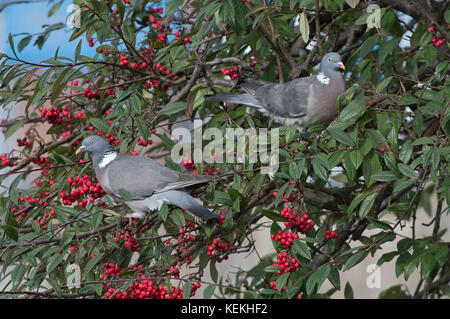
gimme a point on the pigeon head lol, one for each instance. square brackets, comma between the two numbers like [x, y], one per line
[331, 65]
[93, 144]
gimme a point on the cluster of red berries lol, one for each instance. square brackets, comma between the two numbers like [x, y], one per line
[233, 73]
[91, 42]
[284, 238]
[132, 244]
[206, 170]
[331, 234]
[46, 215]
[437, 43]
[111, 138]
[273, 285]
[174, 272]
[216, 248]
[142, 288]
[123, 60]
[297, 222]
[110, 92]
[85, 186]
[184, 234]
[155, 23]
[147, 289]
[221, 219]
[188, 163]
[23, 142]
[54, 116]
[6, 161]
[111, 270]
[91, 94]
[143, 142]
[161, 69]
[286, 263]
[157, 10]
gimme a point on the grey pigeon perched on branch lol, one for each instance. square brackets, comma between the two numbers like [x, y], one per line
[147, 183]
[298, 101]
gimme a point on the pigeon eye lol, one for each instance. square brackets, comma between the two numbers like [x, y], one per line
[329, 59]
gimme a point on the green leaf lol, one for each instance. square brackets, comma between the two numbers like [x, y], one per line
[173, 108]
[348, 291]
[427, 265]
[284, 27]
[13, 191]
[54, 8]
[354, 109]
[54, 262]
[272, 215]
[97, 219]
[178, 217]
[316, 280]
[11, 44]
[92, 262]
[386, 257]
[334, 278]
[341, 136]
[355, 202]
[366, 205]
[281, 281]
[77, 51]
[187, 290]
[354, 260]
[11, 232]
[125, 195]
[385, 176]
[320, 168]
[12, 129]
[101, 124]
[401, 263]
[164, 212]
[24, 42]
[209, 291]
[407, 171]
[302, 249]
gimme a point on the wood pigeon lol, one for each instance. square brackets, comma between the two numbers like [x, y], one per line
[298, 101]
[149, 183]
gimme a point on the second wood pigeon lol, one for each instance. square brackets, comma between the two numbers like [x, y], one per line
[149, 183]
[311, 98]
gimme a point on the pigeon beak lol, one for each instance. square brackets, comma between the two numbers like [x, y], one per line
[341, 65]
[80, 150]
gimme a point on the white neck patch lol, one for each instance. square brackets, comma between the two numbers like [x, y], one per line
[108, 158]
[323, 78]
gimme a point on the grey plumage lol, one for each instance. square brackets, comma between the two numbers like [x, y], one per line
[311, 98]
[149, 183]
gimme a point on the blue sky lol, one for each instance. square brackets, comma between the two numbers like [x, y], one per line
[30, 18]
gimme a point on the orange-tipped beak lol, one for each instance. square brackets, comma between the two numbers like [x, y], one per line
[80, 150]
[341, 65]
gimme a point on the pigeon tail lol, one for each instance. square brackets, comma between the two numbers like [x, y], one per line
[244, 98]
[199, 210]
[182, 199]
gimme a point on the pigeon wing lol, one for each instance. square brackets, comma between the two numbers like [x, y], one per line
[142, 177]
[291, 99]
